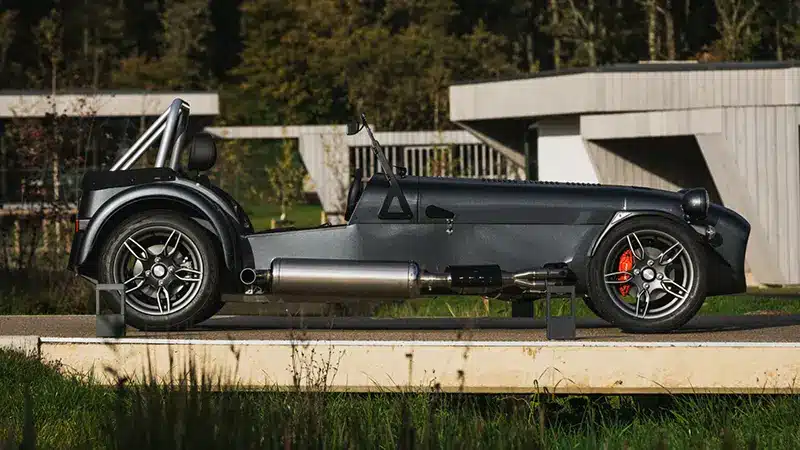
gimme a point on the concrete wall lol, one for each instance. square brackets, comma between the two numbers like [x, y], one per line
[748, 158]
[562, 153]
[670, 163]
[765, 148]
[625, 91]
[104, 104]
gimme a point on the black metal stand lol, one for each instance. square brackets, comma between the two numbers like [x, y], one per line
[110, 325]
[560, 327]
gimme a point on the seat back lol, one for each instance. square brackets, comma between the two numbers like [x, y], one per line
[202, 152]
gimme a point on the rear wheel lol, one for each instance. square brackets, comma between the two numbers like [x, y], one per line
[648, 275]
[169, 267]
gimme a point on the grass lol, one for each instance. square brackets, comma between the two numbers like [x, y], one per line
[303, 215]
[43, 292]
[475, 307]
[58, 411]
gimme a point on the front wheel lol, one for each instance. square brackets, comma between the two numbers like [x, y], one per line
[648, 275]
[590, 304]
[169, 267]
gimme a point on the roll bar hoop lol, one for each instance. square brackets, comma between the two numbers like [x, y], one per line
[171, 128]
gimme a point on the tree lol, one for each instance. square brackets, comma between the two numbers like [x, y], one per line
[660, 37]
[735, 19]
[184, 26]
[49, 36]
[284, 64]
[781, 27]
[285, 179]
[8, 21]
[393, 61]
[101, 40]
[43, 149]
[399, 70]
[555, 20]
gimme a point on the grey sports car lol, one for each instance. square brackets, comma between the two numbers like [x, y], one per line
[643, 259]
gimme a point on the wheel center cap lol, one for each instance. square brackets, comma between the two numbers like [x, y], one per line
[648, 274]
[159, 271]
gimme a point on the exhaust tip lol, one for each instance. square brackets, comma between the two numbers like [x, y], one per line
[247, 276]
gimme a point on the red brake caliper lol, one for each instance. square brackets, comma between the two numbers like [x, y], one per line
[625, 265]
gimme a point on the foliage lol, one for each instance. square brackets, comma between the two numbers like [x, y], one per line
[178, 65]
[319, 61]
[49, 156]
[45, 151]
[285, 179]
[43, 408]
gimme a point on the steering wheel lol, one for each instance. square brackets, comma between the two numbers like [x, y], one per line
[353, 194]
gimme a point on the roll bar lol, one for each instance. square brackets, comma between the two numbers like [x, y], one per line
[171, 128]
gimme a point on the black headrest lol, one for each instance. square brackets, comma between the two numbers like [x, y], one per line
[202, 152]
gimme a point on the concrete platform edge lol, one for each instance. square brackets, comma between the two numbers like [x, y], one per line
[473, 367]
[28, 345]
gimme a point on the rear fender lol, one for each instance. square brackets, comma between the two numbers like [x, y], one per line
[170, 197]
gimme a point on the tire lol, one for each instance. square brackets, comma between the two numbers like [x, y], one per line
[590, 304]
[180, 254]
[675, 289]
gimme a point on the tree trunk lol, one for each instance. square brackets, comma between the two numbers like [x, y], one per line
[529, 52]
[592, 31]
[554, 18]
[436, 111]
[55, 208]
[96, 70]
[652, 48]
[669, 23]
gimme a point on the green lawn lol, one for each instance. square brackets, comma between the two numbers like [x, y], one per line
[303, 215]
[64, 412]
[475, 307]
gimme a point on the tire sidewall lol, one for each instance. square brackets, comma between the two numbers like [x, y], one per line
[606, 305]
[208, 293]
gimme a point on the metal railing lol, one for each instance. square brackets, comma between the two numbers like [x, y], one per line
[455, 160]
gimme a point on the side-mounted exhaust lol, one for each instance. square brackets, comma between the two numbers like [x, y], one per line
[392, 279]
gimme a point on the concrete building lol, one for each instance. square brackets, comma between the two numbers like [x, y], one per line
[28, 104]
[733, 128]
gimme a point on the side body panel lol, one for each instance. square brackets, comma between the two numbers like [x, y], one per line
[517, 225]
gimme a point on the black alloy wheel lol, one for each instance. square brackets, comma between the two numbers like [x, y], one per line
[170, 269]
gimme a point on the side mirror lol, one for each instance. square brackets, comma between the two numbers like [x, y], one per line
[353, 128]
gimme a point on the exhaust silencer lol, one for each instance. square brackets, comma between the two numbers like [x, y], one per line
[345, 278]
[389, 279]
